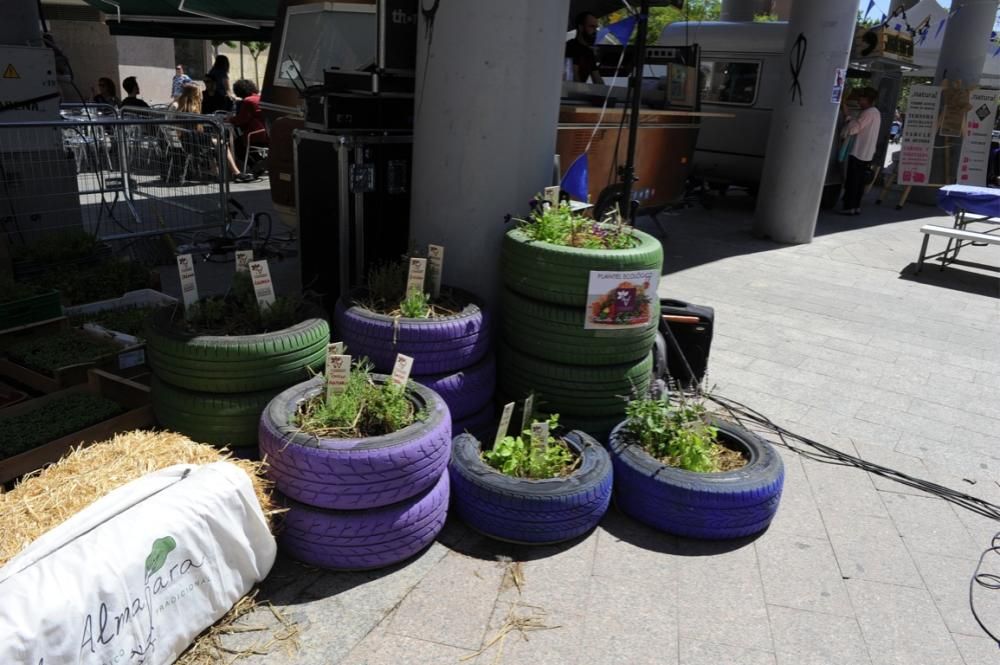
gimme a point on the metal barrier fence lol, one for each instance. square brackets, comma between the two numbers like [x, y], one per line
[122, 176]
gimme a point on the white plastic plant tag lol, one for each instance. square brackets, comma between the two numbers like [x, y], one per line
[539, 438]
[262, 286]
[508, 411]
[436, 257]
[416, 276]
[552, 196]
[529, 410]
[243, 259]
[335, 348]
[338, 373]
[189, 285]
[401, 371]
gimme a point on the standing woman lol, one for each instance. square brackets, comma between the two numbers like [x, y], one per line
[219, 73]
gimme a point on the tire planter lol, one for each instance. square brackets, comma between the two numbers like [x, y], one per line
[437, 346]
[237, 363]
[354, 474]
[218, 419]
[714, 506]
[527, 511]
[556, 333]
[559, 275]
[571, 389]
[364, 539]
[466, 391]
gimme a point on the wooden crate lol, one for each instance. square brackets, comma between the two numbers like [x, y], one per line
[12, 336]
[133, 396]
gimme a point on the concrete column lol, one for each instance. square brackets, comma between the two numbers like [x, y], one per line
[743, 10]
[783, 8]
[487, 103]
[21, 25]
[801, 134]
[963, 49]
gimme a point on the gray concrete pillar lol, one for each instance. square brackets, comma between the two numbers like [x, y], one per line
[783, 8]
[21, 25]
[803, 121]
[963, 49]
[743, 10]
[487, 104]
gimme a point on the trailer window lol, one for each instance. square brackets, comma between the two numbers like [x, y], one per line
[725, 82]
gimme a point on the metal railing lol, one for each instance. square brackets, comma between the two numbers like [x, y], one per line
[121, 175]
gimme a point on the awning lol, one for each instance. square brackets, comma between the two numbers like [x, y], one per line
[190, 19]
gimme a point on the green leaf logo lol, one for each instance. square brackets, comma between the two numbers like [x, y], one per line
[158, 554]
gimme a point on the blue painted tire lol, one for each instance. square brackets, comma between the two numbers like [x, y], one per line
[525, 511]
[713, 506]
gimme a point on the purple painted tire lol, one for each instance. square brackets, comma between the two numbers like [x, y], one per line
[364, 539]
[482, 424]
[437, 346]
[466, 391]
[354, 474]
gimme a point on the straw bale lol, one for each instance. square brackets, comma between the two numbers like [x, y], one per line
[44, 499]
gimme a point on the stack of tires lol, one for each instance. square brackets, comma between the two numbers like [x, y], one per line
[583, 375]
[451, 354]
[358, 504]
[214, 388]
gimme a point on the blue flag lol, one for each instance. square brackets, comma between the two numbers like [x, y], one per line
[940, 28]
[575, 180]
[871, 5]
[620, 31]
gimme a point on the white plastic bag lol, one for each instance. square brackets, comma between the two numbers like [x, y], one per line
[135, 577]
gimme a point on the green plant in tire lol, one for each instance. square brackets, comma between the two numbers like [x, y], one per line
[385, 293]
[364, 409]
[237, 313]
[679, 435]
[514, 456]
[559, 225]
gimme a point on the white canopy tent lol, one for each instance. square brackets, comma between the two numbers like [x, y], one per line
[925, 55]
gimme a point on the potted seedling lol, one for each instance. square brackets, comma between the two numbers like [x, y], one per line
[682, 470]
[57, 361]
[545, 485]
[356, 452]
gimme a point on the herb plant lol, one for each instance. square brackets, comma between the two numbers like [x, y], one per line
[677, 435]
[53, 420]
[514, 456]
[237, 313]
[415, 305]
[386, 294]
[51, 353]
[559, 225]
[364, 409]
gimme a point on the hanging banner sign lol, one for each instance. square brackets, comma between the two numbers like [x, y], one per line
[620, 300]
[973, 163]
[917, 150]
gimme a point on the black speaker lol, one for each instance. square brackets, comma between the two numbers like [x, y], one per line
[687, 330]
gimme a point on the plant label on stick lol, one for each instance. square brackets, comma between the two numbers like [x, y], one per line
[336, 348]
[262, 286]
[508, 411]
[416, 276]
[189, 286]
[338, 373]
[552, 196]
[539, 438]
[243, 259]
[435, 254]
[401, 371]
[529, 409]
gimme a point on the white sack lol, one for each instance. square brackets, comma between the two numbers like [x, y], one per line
[136, 576]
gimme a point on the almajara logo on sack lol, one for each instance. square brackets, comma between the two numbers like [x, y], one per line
[167, 580]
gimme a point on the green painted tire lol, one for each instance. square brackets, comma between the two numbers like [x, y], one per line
[238, 363]
[556, 333]
[559, 275]
[218, 419]
[570, 389]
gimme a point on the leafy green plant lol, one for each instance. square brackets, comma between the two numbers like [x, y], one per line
[515, 456]
[678, 435]
[109, 279]
[559, 225]
[364, 409]
[51, 353]
[53, 420]
[415, 305]
[237, 313]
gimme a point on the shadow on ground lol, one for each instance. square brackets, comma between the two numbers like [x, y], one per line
[954, 278]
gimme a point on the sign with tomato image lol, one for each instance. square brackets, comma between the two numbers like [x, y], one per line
[620, 300]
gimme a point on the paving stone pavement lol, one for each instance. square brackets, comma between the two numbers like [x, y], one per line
[835, 340]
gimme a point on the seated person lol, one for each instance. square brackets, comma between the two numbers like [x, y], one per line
[249, 119]
[131, 86]
[580, 50]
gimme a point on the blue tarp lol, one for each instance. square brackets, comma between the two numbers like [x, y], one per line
[976, 200]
